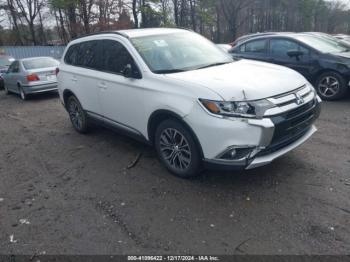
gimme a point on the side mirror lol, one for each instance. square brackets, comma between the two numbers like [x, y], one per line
[295, 53]
[131, 72]
[127, 72]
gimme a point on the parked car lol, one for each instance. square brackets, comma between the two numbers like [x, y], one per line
[176, 90]
[324, 63]
[31, 76]
[5, 62]
[224, 47]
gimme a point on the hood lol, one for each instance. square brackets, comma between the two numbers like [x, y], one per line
[244, 80]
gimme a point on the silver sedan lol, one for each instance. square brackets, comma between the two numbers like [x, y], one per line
[31, 76]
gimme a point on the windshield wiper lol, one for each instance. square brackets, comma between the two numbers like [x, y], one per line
[213, 64]
[169, 71]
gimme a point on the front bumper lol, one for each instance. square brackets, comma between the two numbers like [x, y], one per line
[40, 88]
[268, 138]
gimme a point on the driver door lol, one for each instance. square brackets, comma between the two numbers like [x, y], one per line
[121, 97]
[303, 64]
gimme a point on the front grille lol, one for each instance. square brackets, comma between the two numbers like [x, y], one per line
[283, 143]
[292, 125]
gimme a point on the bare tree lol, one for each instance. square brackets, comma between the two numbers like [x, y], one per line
[29, 10]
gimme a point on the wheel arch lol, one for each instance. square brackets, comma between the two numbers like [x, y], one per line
[162, 114]
[66, 94]
[325, 70]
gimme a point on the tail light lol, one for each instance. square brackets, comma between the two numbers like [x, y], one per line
[57, 71]
[33, 77]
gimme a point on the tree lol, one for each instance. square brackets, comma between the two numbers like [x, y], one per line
[29, 10]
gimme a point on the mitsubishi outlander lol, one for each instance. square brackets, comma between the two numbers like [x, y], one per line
[177, 91]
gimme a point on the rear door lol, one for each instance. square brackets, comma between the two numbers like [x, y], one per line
[279, 48]
[254, 49]
[82, 74]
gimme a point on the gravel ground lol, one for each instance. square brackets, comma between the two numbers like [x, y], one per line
[66, 193]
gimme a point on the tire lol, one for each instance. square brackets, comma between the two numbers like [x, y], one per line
[177, 149]
[331, 86]
[7, 92]
[22, 94]
[77, 115]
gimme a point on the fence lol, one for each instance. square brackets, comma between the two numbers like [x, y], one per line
[19, 52]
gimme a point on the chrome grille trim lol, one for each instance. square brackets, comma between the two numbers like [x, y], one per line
[287, 101]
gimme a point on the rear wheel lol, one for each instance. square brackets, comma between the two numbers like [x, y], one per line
[22, 93]
[331, 86]
[77, 115]
[177, 149]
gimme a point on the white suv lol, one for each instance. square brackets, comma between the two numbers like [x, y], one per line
[176, 90]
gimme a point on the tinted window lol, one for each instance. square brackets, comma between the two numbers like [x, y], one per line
[116, 57]
[258, 46]
[36, 63]
[86, 54]
[72, 55]
[14, 67]
[280, 47]
[89, 55]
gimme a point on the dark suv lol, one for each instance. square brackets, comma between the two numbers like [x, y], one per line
[326, 64]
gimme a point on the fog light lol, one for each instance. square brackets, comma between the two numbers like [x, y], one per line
[235, 153]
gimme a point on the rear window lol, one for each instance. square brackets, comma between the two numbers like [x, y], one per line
[85, 54]
[40, 63]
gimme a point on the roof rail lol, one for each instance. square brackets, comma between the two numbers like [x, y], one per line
[101, 33]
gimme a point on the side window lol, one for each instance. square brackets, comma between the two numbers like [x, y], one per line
[89, 55]
[257, 46]
[14, 67]
[280, 47]
[116, 57]
[242, 48]
[72, 55]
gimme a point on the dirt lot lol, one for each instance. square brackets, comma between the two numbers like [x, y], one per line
[66, 193]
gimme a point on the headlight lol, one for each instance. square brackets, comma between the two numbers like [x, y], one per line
[249, 109]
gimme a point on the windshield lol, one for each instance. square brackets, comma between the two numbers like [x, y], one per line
[6, 61]
[37, 63]
[179, 52]
[323, 45]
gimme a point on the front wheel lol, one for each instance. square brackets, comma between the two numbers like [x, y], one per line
[177, 149]
[331, 86]
[6, 90]
[77, 115]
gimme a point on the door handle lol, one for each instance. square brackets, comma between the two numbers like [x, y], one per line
[74, 79]
[102, 85]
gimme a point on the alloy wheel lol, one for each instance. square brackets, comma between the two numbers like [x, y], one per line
[175, 149]
[75, 114]
[329, 86]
